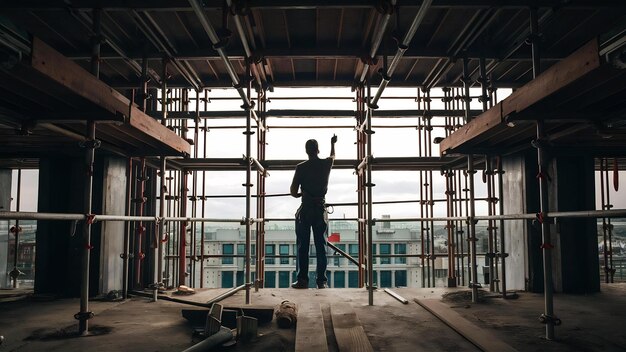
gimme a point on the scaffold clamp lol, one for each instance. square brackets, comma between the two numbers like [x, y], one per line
[547, 246]
[91, 218]
[83, 316]
[548, 319]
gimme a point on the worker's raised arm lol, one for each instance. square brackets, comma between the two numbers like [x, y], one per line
[333, 140]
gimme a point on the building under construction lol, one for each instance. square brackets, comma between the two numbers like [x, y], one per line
[505, 119]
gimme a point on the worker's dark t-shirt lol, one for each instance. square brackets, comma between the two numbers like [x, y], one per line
[312, 176]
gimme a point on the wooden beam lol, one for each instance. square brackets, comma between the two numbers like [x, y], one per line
[483, 339]
[70, 75]
[348, 330]
[572, 68]
[557, 77]
[310, 333]
[479, 125]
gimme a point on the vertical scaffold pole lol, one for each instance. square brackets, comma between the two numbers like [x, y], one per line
[248, 184]
[158, 247]
[472, 228]
[548, 316]
[501, 225]
[360, 140]
[260, 201]
[370, 257]
[15, 273]
[90, 145]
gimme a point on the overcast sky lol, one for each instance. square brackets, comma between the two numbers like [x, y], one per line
[289, 144]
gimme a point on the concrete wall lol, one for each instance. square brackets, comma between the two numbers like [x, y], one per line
[5, 205]
[112, 232]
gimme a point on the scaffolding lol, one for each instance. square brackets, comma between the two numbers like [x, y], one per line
[160, 243]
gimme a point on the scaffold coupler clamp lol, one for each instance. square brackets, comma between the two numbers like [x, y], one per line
[91, 219]
[82, 316]
[548, 319]
[477, 285]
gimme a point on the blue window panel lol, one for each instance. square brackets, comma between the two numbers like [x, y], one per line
[270, 249]
[227, 279]
[353, 278]
[385, 248]
[270, 279]
[400, 248]
[227, 249]
[339, 281]
[385, 278]
[400, 278]
[283, 279]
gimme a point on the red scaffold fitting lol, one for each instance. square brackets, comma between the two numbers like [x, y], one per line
[91, 218]
[547, 246]
[541, 217]
[166, 238]
[88, 246]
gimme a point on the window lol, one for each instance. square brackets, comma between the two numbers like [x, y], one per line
[385, 248]
[400, 278]
[385, 278]
[241, 249]
[283, 249]
[283, 279]
[400, 248]
[240, 277]
[353, 250]
[353, 278]
[338, 260]
[270, 249]
[339, 280]
[227, 279]
[270, 279]
[227, 249]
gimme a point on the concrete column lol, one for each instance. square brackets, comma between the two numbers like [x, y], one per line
[112, 238]
[575, 240]
[575, 256]
[5, 205]
[58, 254]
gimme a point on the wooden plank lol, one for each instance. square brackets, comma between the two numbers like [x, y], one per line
[565, 72]
[70, 75]
[153, 128]
[560, 75]
[479, 125]
[310, 333]
[483, 339]
[348, 330]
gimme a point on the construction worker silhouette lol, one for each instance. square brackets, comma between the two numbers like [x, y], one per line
[311, 177]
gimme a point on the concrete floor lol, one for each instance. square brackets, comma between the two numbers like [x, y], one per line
[590, 322]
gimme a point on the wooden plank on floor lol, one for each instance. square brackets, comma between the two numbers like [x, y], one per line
[348, 329]
[310, 334]
[483, 339]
